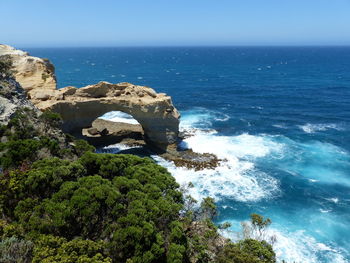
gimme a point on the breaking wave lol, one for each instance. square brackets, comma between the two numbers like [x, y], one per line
[312, 128]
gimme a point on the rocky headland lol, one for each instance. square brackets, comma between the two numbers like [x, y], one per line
[60, 202]
[80, 109]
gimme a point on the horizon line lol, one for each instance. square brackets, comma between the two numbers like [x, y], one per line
[186, 46]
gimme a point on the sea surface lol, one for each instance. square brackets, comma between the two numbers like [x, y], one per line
[280, 116]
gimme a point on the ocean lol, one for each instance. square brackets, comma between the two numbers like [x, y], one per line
[280, 116]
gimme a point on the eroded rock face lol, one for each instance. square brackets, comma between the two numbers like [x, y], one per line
[31, 72]
[80, 107]
[12, 98]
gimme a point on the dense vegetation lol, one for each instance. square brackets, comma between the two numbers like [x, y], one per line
[107, 208]
[30, 136]
[60, 202]
[123, 206]
[5, 66]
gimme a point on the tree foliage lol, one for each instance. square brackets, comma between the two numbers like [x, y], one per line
[53, 249]
[129, 202]
[25, 139]
[6, 68]
[15, 250]
[247, 251]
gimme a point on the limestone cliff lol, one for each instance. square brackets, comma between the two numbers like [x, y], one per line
[30, 72]
[80, 107]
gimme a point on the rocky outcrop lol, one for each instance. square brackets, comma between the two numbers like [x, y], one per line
[12, 98]
[101, 127]
[80, 107]
[30, 72]
[104, 132]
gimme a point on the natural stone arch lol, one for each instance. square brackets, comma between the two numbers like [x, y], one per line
[80, 107]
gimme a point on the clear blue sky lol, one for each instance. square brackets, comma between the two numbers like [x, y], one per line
[29, 23]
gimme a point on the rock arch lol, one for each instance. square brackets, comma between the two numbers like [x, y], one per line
[80, 107]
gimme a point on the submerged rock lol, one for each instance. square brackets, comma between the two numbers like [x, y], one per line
[190, 159]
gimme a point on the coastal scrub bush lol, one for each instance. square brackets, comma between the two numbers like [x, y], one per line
[50, 118]
[257, 229]
[208, 208]
[130, 203]
[18, 151]
[247, 251]
[82, 146]
[53, 249]
[14, 250]
[28, 137]
[6, 68]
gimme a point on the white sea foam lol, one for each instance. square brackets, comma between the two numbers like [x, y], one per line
[325, 210]
[236, 178]
[280, 126]
[118, 116]
[312, 128]
[201, 118]
[296, 246]
[116, 148]
[240, 179]
[313, 180]
[333, 200]
[300, 247]
[236, 181]
[225, 117]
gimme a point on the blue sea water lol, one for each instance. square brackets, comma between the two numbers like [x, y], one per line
[279, 116]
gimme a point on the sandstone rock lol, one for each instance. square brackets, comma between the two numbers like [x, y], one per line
[80, 107]
[68, 90]
[44, 94]
[93, 131]
[156, 114]
[117, 128]
[31, 72]
[104, 132]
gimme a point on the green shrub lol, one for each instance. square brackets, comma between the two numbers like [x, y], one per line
[26, 140]
[247, 251]
[52, 249]
[14, 250]
[50, 118]
[82, 146]
[130, 202]
[19, 151]
[6, 68]
[43, 179]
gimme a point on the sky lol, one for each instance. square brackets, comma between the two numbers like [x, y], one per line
[80, 23]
